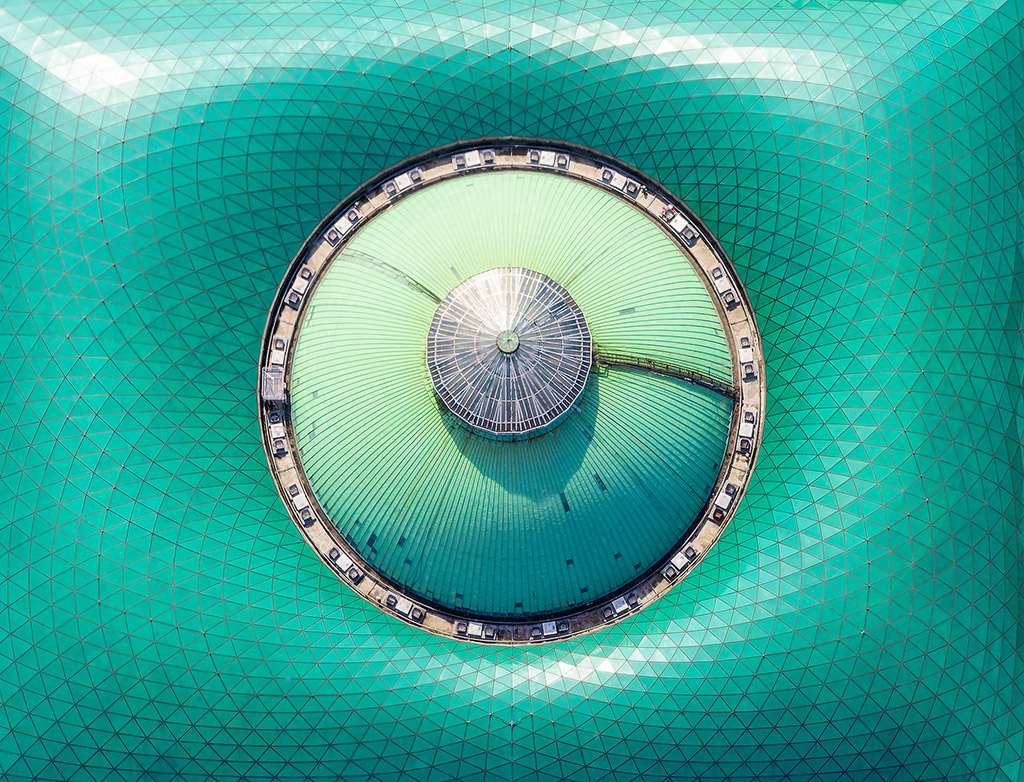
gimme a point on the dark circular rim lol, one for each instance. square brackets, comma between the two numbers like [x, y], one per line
[556, 158]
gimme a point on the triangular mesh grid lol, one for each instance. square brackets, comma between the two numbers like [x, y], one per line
[861, 618]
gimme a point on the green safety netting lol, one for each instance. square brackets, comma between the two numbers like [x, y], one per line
[861, 618]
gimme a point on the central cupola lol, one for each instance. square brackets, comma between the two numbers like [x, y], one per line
[509, 352]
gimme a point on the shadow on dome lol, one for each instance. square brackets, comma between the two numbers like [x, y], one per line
[538, 468]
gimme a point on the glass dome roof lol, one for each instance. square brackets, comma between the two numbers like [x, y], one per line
[509, 352]
[860, 617]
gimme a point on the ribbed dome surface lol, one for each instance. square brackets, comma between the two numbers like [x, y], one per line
[860, 618]
[509, 528]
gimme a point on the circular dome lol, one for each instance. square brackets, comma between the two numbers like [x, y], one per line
[509, 352]
[538, 411]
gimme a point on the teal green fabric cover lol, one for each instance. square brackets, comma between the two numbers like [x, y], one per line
[860, 618]
[502, 528]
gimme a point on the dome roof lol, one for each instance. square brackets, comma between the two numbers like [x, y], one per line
[859, 618]
[421, 488]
